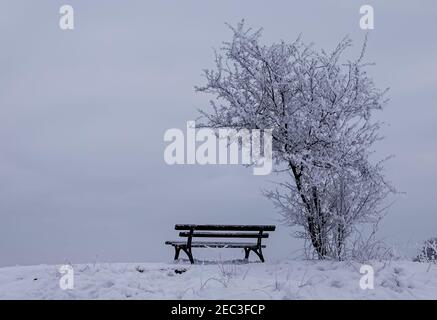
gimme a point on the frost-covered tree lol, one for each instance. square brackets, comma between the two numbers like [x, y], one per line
[320, 110]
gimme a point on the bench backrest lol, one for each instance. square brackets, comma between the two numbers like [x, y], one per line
[223, 231]
[224, 227]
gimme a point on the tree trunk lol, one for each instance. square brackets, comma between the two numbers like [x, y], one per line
[315, 218]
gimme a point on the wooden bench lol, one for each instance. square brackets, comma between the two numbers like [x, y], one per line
[191, 231]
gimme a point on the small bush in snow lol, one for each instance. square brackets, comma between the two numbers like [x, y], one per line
[428, 252]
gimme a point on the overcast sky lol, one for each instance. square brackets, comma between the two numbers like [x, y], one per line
[83, 114]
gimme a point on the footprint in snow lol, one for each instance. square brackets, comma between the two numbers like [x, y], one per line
[337, 284]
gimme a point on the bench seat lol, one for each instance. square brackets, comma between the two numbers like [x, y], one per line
[215, 244]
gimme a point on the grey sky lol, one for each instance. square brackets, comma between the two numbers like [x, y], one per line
[83, 113]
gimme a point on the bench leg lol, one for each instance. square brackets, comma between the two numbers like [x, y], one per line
[246, 253]
[259, 253]
[177, 250]
[189, 254]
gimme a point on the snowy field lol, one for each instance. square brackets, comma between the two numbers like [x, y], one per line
[284, 280]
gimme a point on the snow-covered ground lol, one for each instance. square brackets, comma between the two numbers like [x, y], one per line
[282, 280]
